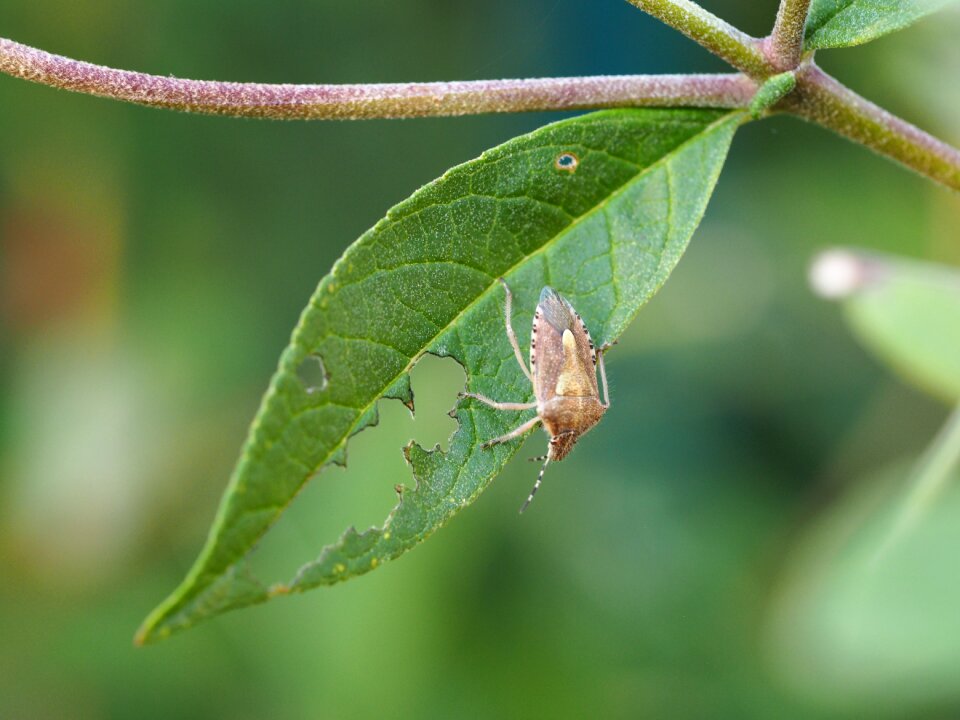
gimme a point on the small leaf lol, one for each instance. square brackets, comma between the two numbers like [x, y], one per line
[599, 206]
[771, 92]
[843, 23]
[906, 312]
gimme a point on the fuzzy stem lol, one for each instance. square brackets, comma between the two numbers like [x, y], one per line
[822, 99]
[706, 29]
[399, 100]
[785, 45]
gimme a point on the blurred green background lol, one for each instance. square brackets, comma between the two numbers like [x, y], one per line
[690, 560]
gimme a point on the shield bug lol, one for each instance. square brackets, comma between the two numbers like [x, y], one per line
[563, 371]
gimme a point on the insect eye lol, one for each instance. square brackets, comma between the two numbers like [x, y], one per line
[567, 162]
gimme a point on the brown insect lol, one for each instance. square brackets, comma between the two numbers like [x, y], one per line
[563, 370]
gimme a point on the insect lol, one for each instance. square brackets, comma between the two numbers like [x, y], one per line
[563, 371]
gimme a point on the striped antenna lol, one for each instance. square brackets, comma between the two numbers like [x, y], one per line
[536, 485]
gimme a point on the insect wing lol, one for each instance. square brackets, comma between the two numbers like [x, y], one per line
[570, 366]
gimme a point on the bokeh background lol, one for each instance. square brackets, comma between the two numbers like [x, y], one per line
[688, 560]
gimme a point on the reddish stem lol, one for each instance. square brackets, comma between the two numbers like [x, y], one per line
[394, 100]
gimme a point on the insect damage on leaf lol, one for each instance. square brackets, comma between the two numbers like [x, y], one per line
[567, 162]
[423, 280]
[563, 372]
[312, 374]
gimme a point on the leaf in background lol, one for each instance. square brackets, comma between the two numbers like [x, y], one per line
[605, 226]
[843, 23]
[865, 625]
[906, 312]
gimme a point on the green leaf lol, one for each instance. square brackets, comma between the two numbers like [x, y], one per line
[599, 206]
[845, 625]
[843, 23]
[928, 481]
[773, 90]
[906, 312]
[861, 624]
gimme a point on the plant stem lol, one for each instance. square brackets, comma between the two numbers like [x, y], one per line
[706, 29]
[398, 100]
[817, 97]
[785, 45]
[824, 100]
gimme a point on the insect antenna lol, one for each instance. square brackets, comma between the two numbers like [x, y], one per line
[538, 458]
[536, 485]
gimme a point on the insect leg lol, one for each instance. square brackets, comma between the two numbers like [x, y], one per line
[538, 458]
[536, 485]
[603, 372]
[603, 381]
[500, 405]
[529, 424]
[508, 305]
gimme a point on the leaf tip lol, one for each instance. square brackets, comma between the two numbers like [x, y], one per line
[278, 589]
[838, 273]
[150, 632]
[140, 637]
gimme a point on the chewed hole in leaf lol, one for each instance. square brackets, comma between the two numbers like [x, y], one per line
[312, 374]
[567, 162]
[364, 492]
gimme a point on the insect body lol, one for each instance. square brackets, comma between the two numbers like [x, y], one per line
[563, 370]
